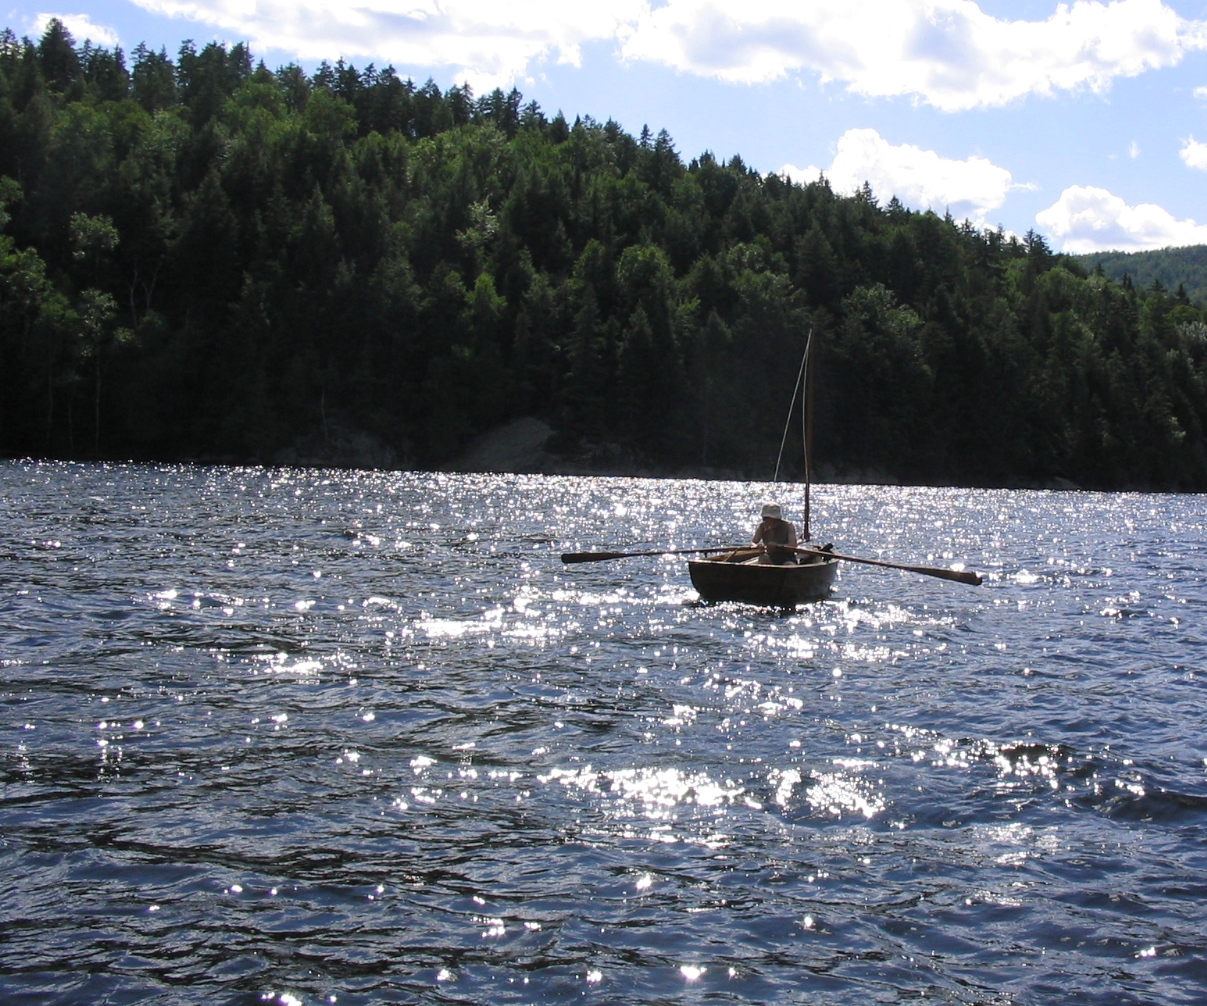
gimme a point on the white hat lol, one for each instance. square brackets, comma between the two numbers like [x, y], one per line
[773, 510]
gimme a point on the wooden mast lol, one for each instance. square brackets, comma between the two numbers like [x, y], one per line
[806, 410]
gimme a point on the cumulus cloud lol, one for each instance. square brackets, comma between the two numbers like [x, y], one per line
[1088, 219]
[919, 178]
[947, 53]
[485, 42]
[1194, 154]
[81, 26]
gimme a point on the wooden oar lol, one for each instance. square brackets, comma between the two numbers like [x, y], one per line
[601, 556]
[960, 576]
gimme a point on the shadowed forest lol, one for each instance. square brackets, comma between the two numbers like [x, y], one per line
[202, 258]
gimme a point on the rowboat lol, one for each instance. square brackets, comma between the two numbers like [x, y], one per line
[740, 576]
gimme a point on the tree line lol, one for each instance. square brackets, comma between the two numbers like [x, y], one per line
[204, 258]
[1180, 269]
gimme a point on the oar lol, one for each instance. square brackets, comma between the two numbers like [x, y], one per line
[960, 576]
[601, 556]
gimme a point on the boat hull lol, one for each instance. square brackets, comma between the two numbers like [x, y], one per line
[769, 586]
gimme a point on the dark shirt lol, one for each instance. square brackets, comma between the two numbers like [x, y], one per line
[775, 532]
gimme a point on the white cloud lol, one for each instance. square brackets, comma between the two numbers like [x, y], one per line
[802, 175]
[919, 178]
[946, 53]
[81, 26]
[1194, 154]
[1133, 151]
[487, 43]
[1088, 219]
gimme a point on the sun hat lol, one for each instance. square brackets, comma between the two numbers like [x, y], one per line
[773, 510]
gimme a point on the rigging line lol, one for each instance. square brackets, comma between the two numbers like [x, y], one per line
[792, 406]
[806, 425]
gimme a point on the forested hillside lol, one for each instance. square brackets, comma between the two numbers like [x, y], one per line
[204, 258]
[1171, 267]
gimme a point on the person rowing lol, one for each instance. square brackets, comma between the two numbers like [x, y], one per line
[776, 535]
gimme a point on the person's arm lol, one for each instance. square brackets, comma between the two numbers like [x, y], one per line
[791, 534]
[759, 533]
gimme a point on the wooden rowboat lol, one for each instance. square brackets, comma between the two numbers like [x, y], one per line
[739, 576]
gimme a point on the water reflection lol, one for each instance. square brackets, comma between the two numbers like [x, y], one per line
[411, 755]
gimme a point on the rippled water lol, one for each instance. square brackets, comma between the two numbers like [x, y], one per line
[306, 737]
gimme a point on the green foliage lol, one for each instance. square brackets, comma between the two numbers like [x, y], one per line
[1182, 270]
[201, 257]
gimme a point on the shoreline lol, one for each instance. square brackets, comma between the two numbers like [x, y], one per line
[569, 468]
[521, 447]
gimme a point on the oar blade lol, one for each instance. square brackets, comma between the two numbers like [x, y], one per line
[593, 556]
[959, 575]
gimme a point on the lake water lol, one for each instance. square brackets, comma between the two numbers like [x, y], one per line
[303, 737]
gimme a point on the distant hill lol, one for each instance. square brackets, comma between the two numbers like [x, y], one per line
[1171, 266]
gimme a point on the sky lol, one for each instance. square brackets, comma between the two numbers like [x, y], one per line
[1083, 121]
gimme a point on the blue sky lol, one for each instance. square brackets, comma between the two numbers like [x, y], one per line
[1085, 121]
